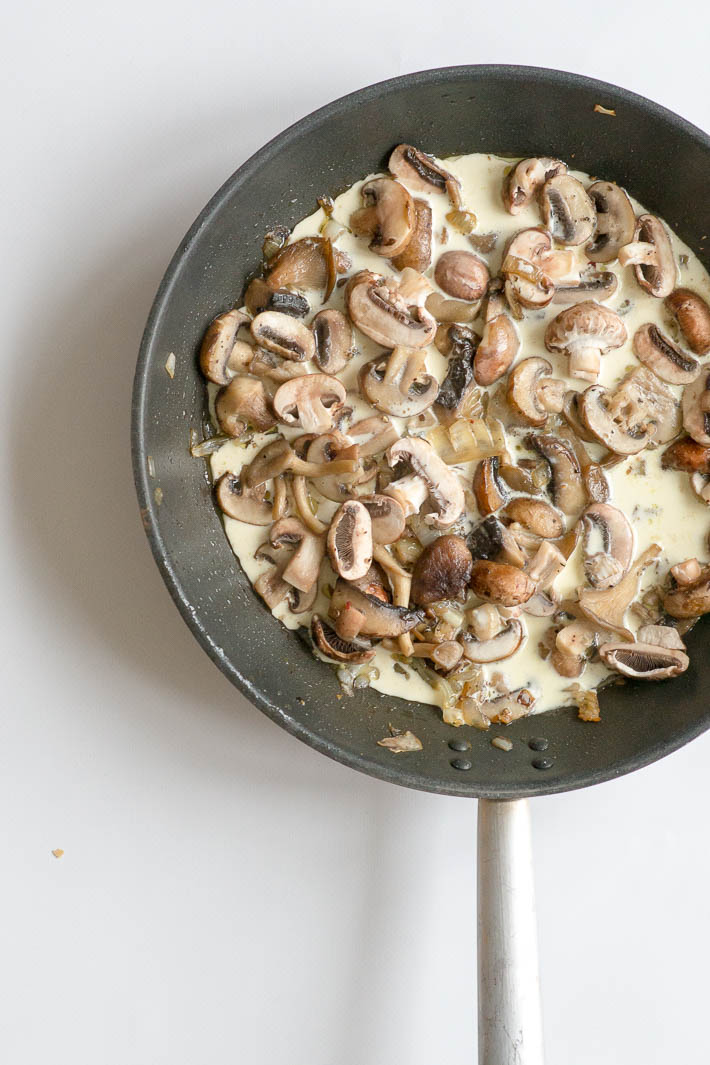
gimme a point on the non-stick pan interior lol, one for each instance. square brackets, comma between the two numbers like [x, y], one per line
[514, 111]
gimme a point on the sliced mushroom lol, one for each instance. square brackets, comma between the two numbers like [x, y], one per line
[655, 350]
[690, 600]
[491, 540]
[333, 646]
[387, 517]
[333, 338]
[485, 621]
[381, 618]
[693, 316]
[546, 566]
[687, 455]
[500, 583]
[279, 457]
[462, 275]
[267, 364]
[222, 356]
[442, 571]
[651, 255]
[241, 503]
[274, 590]
[311, 401]
[283, 335]
[445, 655]
[378, 309]
[397, 385]
[499, 343]
[526, 179]
[309, 263]
[599, 286]
[459, 383]
[522, 393]
[607, 607]
[388, 216]
[417, 254]
[350, 540]
[423, 173]
[537, 516]
[687, 572]
[445, 490]
[566, 485]
[696, 408]
[497, 648]
[525, 262]
[328, 450]
[447, 311]
[303, 567]
[604, 568]
[616, 221]
[661, 636]
[585, 332]
[260, 296]
[642, 402]
[596, 414]
[488, 489]
[567, 210]
[644, 661]
[411, 492]
[243, 403]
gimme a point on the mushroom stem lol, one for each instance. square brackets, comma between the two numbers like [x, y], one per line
[411, 493]
[280, 503]
[637, 253]
[401, 582]
[309, 519]
[584, 361]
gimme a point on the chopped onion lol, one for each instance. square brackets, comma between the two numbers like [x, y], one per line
[401, 742]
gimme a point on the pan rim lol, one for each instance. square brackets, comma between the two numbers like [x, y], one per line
[149, 509]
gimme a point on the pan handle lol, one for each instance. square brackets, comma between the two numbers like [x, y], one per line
[509, 1011]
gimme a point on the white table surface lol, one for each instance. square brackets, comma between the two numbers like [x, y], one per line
[226, 895]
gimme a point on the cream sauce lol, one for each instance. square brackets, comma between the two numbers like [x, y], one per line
[660, 504]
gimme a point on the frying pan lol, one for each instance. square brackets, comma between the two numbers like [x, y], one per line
[505, 110]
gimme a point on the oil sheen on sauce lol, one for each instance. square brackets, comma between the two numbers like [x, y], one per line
[659, 503]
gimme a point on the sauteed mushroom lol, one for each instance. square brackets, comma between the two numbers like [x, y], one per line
[309, 263]
[423, 173]
[378, 309]
[417, 253]
[333, 646]
[651, 255]
[283, 335]
[303, 567]
[222, 356]
[585, 332]
[696, 408]
[397, 384]
[443, 487]
[693, 316]
[598, 285]
[496, 648]
[462, 275]
[665, 358]
[499, 343]
[526, 179]
[381, 619]
[388, 216]
[350, 540]
[500, 583]
[567, 210]
[241, 503]
[442, 571]
[333, 341]
[241, 403]
[687, 455]
[523, 395]
[644, 661]
[615, 221]
[605, 567]
[566, 485]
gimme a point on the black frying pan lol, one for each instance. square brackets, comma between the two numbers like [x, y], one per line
[514, 111]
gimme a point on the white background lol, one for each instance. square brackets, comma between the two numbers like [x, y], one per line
[227, 895]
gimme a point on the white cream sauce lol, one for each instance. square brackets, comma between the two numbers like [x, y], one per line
[660, 504]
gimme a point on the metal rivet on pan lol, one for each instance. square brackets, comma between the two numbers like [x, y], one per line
[461, 763]
[538, 744]
[459, 745]
[542, 763]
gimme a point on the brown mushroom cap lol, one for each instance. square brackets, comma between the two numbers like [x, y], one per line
[567, 210]
[417, 254]
[388, 216]
[219, 361]
[497, 582]
[397, 385]
[693, 316]
[241, 403]
[311, 401]
[333, 646]
[585, 332]
[462, 275]
[566, 485]
[499, 343]
[333, 338]
[423, 173]
[350, 540]
[595, 412]
[526, 178]
[655, 350]
[309, 263]
[615, 223]
[443, 486]
[442, 571]
[696, 407]
[488, 489]
[283, 335]
[241, 503]
[537, 516]
[687, 455]
[651, 254]
[260, 296]
[381, 618]
[378, 309]
[522, 391]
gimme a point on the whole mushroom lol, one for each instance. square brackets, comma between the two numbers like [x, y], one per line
[585, 332]
[462, 275]
[693, 316]
[442, 571]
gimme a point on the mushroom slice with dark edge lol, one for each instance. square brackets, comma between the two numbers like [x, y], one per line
[585, 332]
[643, 661]
[333, 646]
[267, 364]
[241, 503]
[693, 316]
[526, 257]
[462, 275]
[599, 286]
[423, 173]
[311, 401]
[379, 310]
[537, 516]
[497, 582]
[459, 383]
[333, 337]
[380, 619]
[279, 457]
[303, 567]
[567, 210]
[274, 590]
[283, 335]
[499, 343]
[350, 540]
[397, 385]
[491, 540]
[570, 412]
[445, 655]
[690, 600]
[607, 607]
[498, 647]
[526, 178]
[308, 263]
[566, 484]
[616, 221]
[328, 449]
[489, 490]
[387, 517]
[696, 408]
[242, 403]
[222, 356]
[388, 216]
[651, 255]
[442, 571]
[606, 566]
[522, 391]
[417, 254]
[260, 296]
[655, 350]
[597, 416]
[687, 455]
[443, 486]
